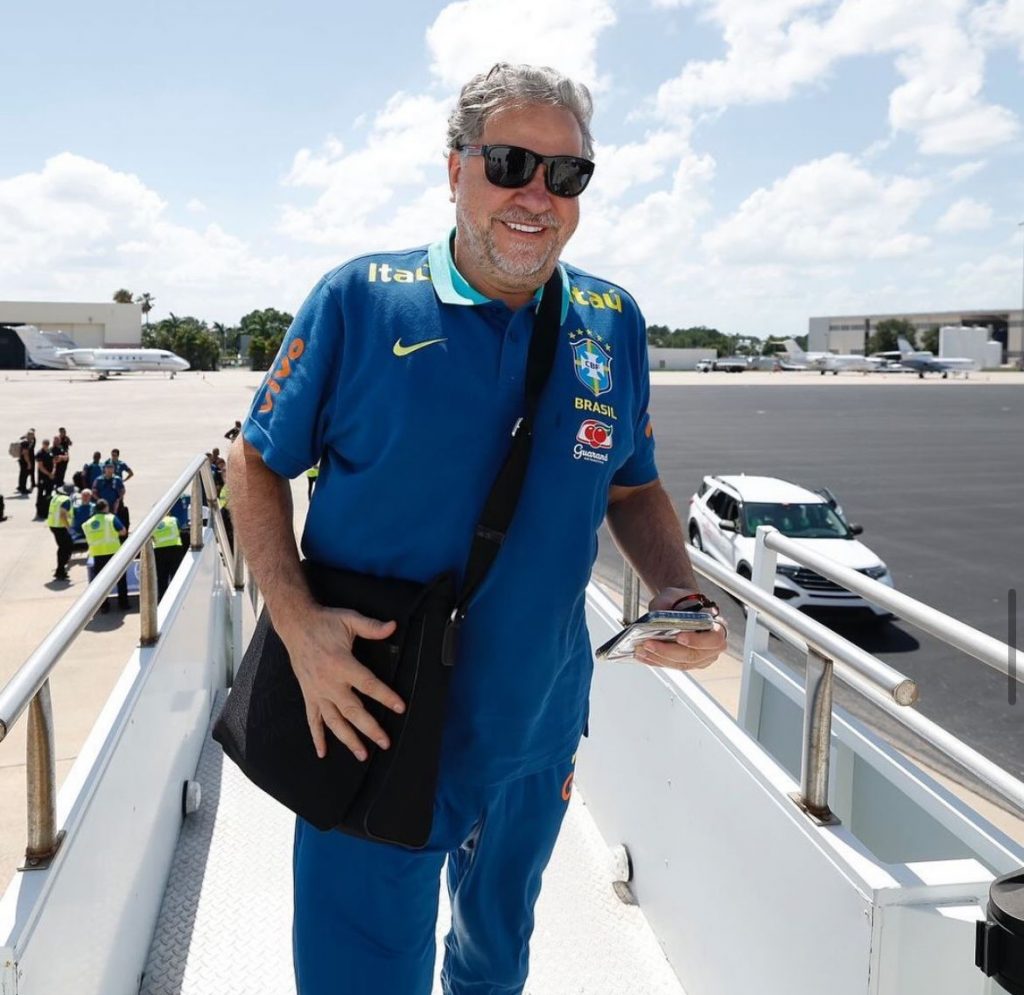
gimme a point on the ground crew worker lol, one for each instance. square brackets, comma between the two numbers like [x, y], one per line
[103, 533]
[58, 520]
[311, 474]
[223, 498]
[167, 550]
[110, 488]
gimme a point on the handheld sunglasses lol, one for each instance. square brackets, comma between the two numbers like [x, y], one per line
[510, 166]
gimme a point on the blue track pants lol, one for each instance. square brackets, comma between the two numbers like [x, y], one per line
[365, 913]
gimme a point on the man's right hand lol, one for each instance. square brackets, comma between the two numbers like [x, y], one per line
[329, 676]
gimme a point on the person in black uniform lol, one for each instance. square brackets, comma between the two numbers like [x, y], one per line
[27, 462]
[44, 479]
[59, 452]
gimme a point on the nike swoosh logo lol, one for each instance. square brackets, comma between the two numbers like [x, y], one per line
[404, 350]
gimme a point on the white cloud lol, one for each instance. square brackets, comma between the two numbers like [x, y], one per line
[966, 170]
[776, 48]
[373, 196]
[827, 209]
[965, 215]
[1000, 22]
[993, 282]
[940, 101]
[195, 206]
[77, 229]
[468, 37]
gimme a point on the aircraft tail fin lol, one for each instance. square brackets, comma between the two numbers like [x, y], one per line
[904, 345]
[794, 351]
[40, 349]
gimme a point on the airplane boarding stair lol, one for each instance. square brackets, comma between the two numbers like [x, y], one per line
[785, 851]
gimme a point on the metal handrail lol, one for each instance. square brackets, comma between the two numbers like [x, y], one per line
[848, 656]
[29, 687]
[971, 641]
[869, 676]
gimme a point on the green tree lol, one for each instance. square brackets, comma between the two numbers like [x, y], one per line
[267, 328]
[930, 339]
[122, 296]
[695, 337]
[146, 300]
[189, 337]
[883, 338]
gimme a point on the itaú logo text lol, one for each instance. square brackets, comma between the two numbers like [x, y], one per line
[595, 434]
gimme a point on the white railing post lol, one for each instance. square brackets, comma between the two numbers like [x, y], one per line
[630, 594]
[755, 638]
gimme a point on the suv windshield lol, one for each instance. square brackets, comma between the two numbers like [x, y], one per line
[799, 521]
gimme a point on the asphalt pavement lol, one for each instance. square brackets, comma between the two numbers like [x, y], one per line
[935, 477]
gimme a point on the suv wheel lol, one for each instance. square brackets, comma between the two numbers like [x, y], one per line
[695, 539]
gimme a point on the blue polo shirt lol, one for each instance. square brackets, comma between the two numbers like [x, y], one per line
[109, 490]
[404, 382]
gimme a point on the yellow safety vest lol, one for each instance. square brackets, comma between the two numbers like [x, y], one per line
[225, 496]
[167, 533]
[101, 535]
[313, 471]
[57, 502]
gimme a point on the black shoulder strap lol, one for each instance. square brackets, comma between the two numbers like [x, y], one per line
[504, 496]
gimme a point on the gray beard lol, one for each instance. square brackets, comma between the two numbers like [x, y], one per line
[526, 273]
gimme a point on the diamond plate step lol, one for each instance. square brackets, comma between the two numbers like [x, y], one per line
[225, 923]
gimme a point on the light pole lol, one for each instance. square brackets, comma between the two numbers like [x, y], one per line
[1020, 363]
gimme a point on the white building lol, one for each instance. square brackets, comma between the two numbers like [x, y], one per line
[92, 325]
[849, 333]
[677, 359]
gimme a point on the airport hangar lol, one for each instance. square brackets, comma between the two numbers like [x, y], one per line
[95, 325]
[849, 333]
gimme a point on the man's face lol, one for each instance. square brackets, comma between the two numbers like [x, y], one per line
[108, 471]
[497, 259]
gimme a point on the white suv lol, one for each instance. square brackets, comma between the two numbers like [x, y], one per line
[726, 511]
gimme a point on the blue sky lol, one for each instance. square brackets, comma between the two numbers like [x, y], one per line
[758, 161]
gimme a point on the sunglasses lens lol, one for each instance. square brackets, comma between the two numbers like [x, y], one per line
[568, 176]
[509, 166]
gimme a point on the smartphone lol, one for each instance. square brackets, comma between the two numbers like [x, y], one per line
[664, 625]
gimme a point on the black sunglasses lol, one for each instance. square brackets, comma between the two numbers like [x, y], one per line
[510, 166]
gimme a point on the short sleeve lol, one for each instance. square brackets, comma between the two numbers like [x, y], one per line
[640, 468]
[285, 420]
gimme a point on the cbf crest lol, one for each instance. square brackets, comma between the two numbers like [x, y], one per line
[593, 362]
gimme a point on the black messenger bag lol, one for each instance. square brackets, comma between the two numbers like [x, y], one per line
[390, 796]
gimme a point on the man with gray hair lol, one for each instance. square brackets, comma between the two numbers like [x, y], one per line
[403, 374]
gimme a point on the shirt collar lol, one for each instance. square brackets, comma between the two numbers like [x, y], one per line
[452, 287]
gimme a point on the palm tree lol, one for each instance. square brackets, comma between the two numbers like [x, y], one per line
[122, 296]
[146, 300]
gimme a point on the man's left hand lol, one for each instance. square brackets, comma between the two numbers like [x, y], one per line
[689, 650]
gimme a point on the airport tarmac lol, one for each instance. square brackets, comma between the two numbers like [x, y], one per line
[159, 424]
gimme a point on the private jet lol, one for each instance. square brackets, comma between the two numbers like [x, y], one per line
[43, 351]
[921, 361]
[830, 362]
